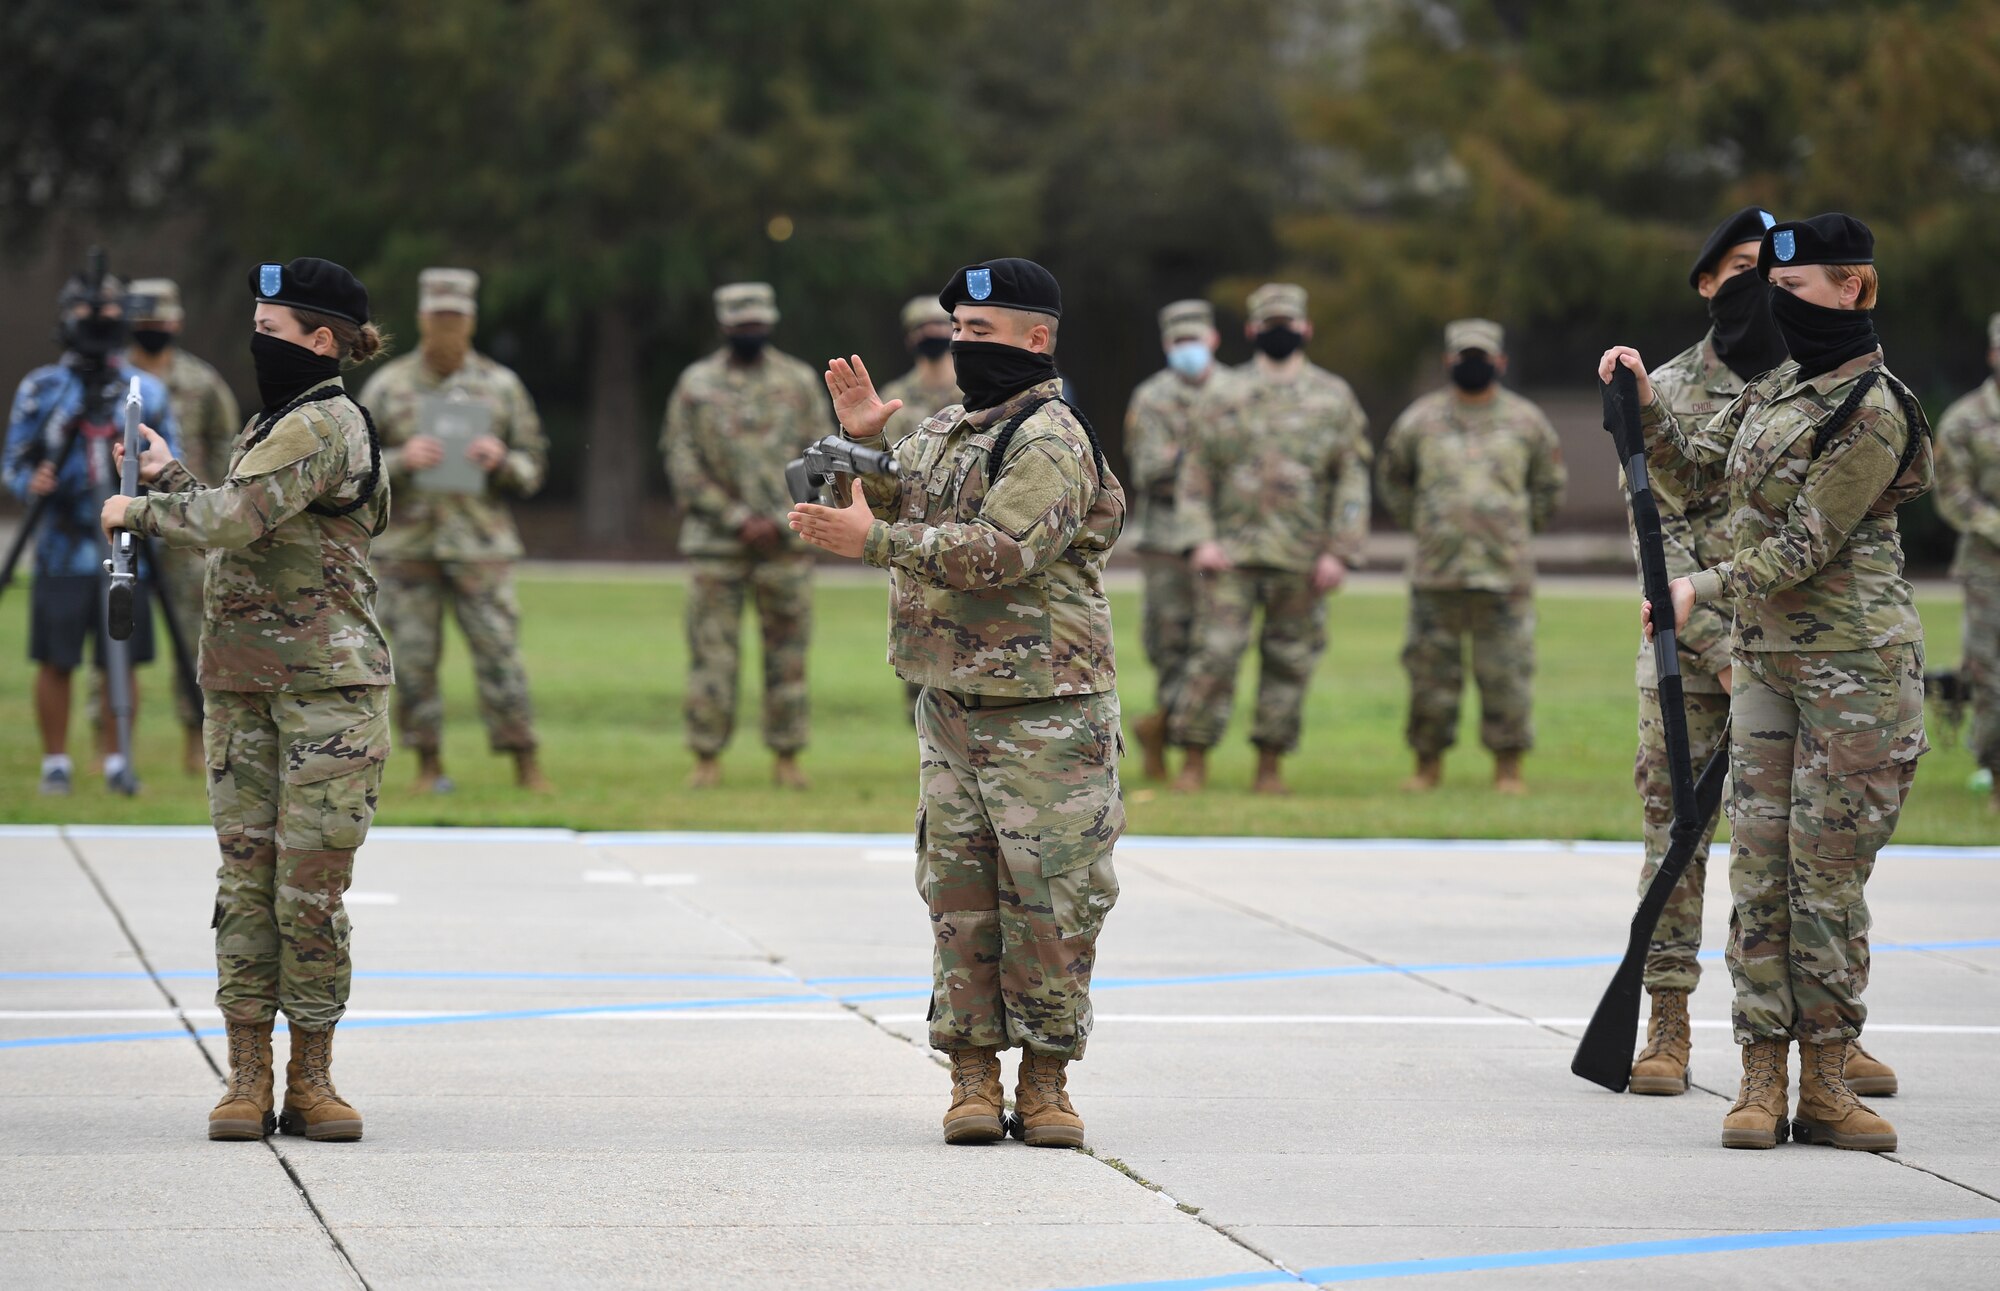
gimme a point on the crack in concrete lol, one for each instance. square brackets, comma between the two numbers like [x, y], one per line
[222, 1078]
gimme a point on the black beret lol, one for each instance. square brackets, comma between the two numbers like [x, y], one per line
[1747, 225]
[1831, 238]
[1011, 283]
[308, 283]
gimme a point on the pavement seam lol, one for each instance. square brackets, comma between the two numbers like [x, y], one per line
[194, 1036]
[1113, 1164]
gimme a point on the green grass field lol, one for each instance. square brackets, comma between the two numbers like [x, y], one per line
[607, 659]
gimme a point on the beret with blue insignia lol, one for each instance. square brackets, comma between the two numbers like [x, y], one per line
[1011, 283]
[309, 283]
[1831, 238]
[1746, 225]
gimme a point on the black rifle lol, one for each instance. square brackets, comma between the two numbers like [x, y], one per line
[820, 474]
[1604, 1056]
[120, 595]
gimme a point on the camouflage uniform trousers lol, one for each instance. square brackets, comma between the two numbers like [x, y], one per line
[1672, 961]
[1502, 628]
[293, 781]
[482, 599]
[1019, 808]
[1168, 626]
[1982, 668]
[1822, 750]
[1293, 636]
[781, 587]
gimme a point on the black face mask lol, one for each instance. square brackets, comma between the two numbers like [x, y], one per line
[285, 371]
[1473, 371]
[151, 339]
[93, 336]
[1821, 339]
[931, 347]
[1745, 337]
[748, 347]
[1279, 342]
[990, 373]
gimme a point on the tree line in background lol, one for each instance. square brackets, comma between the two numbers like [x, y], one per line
[605, 163]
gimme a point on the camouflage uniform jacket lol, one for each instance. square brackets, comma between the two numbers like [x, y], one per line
[998, 584]
[1159, 424]
[1818, 562]
[920, 403]
[730, 429]
[1472, 481]
[1277, 471]
[456, 526]
[1696, 385]
[206, 411]
[1968, 480]
[288, 601]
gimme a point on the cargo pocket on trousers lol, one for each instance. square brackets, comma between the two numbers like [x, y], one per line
[225, 803]
[331, 786]
[1868, 775]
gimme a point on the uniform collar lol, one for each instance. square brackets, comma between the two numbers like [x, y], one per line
[1717, 377]
[1827, 382]
[1041, 392]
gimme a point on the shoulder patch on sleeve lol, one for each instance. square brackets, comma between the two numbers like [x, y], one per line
[1033, 480]
[291, 440]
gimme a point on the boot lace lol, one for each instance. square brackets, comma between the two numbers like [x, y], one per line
[1760, 1071]
[970, 1070]
[317, 1056]
[1669, 1024]
[1045, 1077]
[1830, 1066]
[245, 1062]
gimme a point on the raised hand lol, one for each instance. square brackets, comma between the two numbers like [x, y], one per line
[861, 411]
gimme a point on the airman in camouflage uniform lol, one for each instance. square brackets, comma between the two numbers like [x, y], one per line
[206, 413]
[928, 388]
[453, 547]
[1159, 425]
[1472, 471]
[1273, 500]
[735, 419]
[1827, 665]
[295, 675]
[1968, 483]
[995, 536]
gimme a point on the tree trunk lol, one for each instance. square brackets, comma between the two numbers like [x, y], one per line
[615, 457]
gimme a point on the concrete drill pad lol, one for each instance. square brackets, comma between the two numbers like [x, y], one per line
[700, 1060]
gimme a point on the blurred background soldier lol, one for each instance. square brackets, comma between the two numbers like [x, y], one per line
[929, 387]
[206, 413]
[1273, 500]
[735, 418]
[1158, 426]
[1472, 471]
[459, 437]
[1968, 484]
[59, 436]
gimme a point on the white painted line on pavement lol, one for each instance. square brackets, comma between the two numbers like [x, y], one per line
[610, 876]
[372, 898]
[890, 855]
[669, 880]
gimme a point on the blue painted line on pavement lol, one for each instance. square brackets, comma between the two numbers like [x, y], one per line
[1722, 1243]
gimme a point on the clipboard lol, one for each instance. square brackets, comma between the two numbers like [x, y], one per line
[454, 423]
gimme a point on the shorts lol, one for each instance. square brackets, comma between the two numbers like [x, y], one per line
[68, 607]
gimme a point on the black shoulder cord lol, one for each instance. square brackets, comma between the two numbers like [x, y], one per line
[1006, 435]
[321, 395]
[1913, 414]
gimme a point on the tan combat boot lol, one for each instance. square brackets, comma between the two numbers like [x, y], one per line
[1268, 778]
[977, 1102]
[1430, 774]
[785, 773]
[1868, 1075]
[1507, 775]
[430, 773]
[1828, 1110]
[707, 773]
[1662, 1066]
[312, 1106]
[1758, 1118]
[245, 1110]
[1151, 732]
[1048, 1120]
[528, 772]
[1194, 772]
